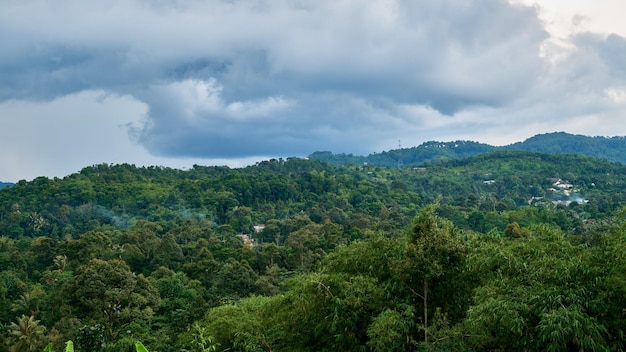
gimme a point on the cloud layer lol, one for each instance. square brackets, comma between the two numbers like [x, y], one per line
[236, 79]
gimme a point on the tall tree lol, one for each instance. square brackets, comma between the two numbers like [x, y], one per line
[432, 253]
[27, 334]
[108, 292]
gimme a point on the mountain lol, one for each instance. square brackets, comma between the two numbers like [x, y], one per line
[5, 184]
[612, 149]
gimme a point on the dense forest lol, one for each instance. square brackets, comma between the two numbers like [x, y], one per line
[503, 251]
[612, 149]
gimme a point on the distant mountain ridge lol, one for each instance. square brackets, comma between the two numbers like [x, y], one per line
[612, 149]
[5, 184]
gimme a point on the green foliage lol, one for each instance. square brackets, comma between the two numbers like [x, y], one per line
[111, 294]
[91, 338]
[140, 347]
[432, 151]
[433, 246]
[200, 340]
[69, 347]
[427, 152]
[364, 296]
[391, 330]
[117, 254]
[513, 230]
[26, 334]
[236, 327]
[540, 292]
[434, 251]
[6, 184]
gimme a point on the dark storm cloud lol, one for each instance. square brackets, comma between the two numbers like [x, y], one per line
[286, 77]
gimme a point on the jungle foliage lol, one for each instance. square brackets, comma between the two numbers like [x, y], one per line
[502, 251]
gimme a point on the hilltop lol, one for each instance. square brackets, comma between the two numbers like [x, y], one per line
[612, 149]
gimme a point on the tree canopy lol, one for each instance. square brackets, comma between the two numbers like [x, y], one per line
[509, 250]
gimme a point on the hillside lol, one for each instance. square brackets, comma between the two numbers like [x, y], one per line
[286, 245]
[613, 149]
[5, 184]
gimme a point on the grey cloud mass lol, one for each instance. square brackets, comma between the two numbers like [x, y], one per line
[234, 79]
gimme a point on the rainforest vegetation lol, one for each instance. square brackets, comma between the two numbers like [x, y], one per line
[503, 251]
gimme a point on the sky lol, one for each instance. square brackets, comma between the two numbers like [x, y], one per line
[232, 82]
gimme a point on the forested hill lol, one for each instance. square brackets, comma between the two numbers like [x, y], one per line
[613, 149]
[5, 184]
[300, 255]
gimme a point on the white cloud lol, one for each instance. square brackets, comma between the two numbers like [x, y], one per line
[564, 18]
[192, 97]
[257, 108]
[60, 137]
[196, 99]
[616, 95]
[67, 133]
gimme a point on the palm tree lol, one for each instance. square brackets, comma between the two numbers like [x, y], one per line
[26, 334]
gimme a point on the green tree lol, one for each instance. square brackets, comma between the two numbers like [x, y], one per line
[235, 279]
[433, 253]
[540, 292]
[513, 230]
[303, 249]
[139, 244]
[181, 303]
[27, 334]
[92, 244]
[111, 294]
[391, 330]
[245, 326]
[168, 253]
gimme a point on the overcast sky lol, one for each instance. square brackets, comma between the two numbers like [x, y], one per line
[231, 82]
